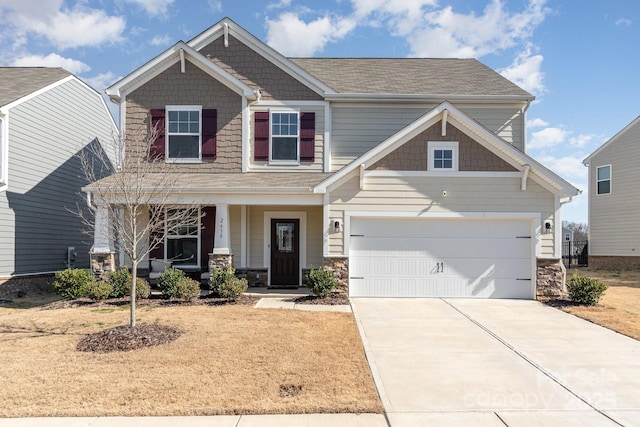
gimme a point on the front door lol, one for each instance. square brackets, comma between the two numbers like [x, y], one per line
[285, 252]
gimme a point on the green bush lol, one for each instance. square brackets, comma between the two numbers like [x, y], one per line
[321, 282]
[73, 282]
[174, 284]
[233, 288]
[220, 276]
[98, 290]
[121, 281]
[585, 290]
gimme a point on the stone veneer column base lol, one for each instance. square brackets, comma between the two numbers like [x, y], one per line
[340, 268]
[219, 261]
[103, 263]
[614, 262]
[550, 279]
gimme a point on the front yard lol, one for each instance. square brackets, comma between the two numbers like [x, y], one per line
[230, 359]
[619, 308]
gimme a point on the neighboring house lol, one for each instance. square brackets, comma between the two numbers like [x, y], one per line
[567, 234]
[47, 116]
[614, 201]
[407, 177]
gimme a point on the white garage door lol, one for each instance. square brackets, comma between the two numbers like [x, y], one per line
[440, 258]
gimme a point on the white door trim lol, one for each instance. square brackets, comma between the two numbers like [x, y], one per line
[268, 216]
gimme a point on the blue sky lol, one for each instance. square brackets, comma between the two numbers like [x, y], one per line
[580, 59]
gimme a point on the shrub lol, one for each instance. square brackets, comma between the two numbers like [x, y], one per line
[585, 290]
[121, 280]
[321, 282]
[174, 284]
[72, 282]
[220, 276]
[98, 290]
[233, 288]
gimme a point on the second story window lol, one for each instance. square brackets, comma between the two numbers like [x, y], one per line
[442, 156]
[183, 132]
[284, 136]
[603, 179]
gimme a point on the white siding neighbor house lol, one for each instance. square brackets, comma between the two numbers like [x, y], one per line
[47, 116]
[614, 201]
[405, 176]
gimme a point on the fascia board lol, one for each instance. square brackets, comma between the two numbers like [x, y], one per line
[417, 97]
[587, 160]
[262, 49]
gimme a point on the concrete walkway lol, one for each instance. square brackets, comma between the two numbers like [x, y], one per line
[453, 362]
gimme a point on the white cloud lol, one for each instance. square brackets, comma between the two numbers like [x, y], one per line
[160, 40]
[51, 60]
[291, 36]
[623, 21]
[279, 4]
[215, 5]
[568, 167]
[63, 27]
[536, 123]
[153, 7]
[433, 31]
[525, 71]
[546, 138]
[101, 81]
[581, 140]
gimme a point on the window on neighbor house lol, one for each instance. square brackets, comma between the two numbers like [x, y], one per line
[183, 132]
[603, 179]
[285, 133]
[567, 237]
[183, 236]
[443, 156]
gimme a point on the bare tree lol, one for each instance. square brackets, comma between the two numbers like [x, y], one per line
[138, 199]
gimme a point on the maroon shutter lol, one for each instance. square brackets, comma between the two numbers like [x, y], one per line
[207, 234]
[261, 136]
[209, 128]
[156, 150]
[307, 137]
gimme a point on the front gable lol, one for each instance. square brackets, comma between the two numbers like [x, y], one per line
[414, 154]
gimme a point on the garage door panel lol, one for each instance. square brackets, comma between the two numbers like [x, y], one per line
[440, 258]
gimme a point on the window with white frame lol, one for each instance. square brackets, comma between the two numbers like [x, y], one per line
[603, 179]
[285, 136]
[184, 132]
[442, 156]
[183, 236]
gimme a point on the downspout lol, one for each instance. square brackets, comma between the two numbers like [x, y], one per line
[89, 204]
[445, 115]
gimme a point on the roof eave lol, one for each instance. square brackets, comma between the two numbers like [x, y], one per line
[417, 97]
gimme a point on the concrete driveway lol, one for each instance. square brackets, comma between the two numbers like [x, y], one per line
[452, 362]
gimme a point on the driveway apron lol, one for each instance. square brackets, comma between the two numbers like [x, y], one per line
[497, 362]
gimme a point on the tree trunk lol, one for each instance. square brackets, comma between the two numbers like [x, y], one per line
[134, 274]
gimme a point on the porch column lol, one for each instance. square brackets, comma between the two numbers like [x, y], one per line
[222, 236]
[221, 257]
[102, 254]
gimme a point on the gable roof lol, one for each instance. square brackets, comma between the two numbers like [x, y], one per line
[635, 122]
[18, 82]
[176, 53]
[443, 78]
[479, 133]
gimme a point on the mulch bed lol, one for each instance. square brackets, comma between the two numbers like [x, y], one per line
[154, 301]
[124, 338]
[331, 299]
[560, 303]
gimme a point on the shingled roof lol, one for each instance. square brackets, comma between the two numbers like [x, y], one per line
[410, 76]
[16, 82]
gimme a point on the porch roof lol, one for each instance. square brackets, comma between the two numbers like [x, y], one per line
[215, 183]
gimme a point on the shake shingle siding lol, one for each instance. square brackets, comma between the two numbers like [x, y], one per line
[46, 133]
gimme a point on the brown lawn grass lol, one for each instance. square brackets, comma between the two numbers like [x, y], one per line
[229, 360]
[619, 308]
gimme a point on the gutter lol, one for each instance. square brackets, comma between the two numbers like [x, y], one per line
[391, 97]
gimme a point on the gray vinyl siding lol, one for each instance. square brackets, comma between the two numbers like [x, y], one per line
[357, 129]
[614, 218]
[45, 177]
[422, 195]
